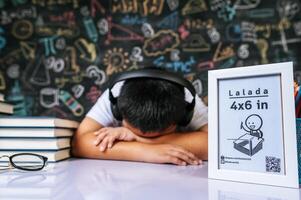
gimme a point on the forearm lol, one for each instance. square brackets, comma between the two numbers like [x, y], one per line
[83, 146]
[196, 142]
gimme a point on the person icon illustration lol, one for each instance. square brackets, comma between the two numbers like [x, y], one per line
[253, 125]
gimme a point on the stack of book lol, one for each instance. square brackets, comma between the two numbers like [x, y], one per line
[50, 137]
[5, 108]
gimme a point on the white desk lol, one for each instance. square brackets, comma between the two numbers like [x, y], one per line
[98, 179]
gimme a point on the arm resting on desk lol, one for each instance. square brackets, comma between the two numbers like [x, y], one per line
[195, 142]
[83, 145]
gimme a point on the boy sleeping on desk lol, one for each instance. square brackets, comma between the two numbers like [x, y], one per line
[147, 115]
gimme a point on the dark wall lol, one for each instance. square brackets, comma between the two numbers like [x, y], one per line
[56, 56]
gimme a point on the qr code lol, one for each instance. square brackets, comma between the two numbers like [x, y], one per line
[272, 164]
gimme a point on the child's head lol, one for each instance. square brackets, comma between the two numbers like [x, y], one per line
[151, 106]
[254, 122]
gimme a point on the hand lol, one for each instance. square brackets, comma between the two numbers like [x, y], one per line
[167, 153]
[106, 136]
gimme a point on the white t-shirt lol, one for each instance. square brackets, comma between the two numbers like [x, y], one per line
[101, 111]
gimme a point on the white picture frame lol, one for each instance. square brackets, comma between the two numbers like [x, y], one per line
[252, 127]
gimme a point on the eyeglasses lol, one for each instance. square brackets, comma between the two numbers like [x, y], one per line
[24, 161]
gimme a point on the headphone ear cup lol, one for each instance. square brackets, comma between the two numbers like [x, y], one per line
[187, 115]
[115, 111]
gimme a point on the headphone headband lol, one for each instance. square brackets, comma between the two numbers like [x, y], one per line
[154, 74]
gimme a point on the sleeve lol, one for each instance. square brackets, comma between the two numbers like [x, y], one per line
[101, 111]
[200, 115]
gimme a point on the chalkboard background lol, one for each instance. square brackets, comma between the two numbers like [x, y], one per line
[56, 56]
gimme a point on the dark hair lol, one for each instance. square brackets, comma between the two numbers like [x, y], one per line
[151, 105]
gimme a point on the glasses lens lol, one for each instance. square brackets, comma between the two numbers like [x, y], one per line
[28, 161]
